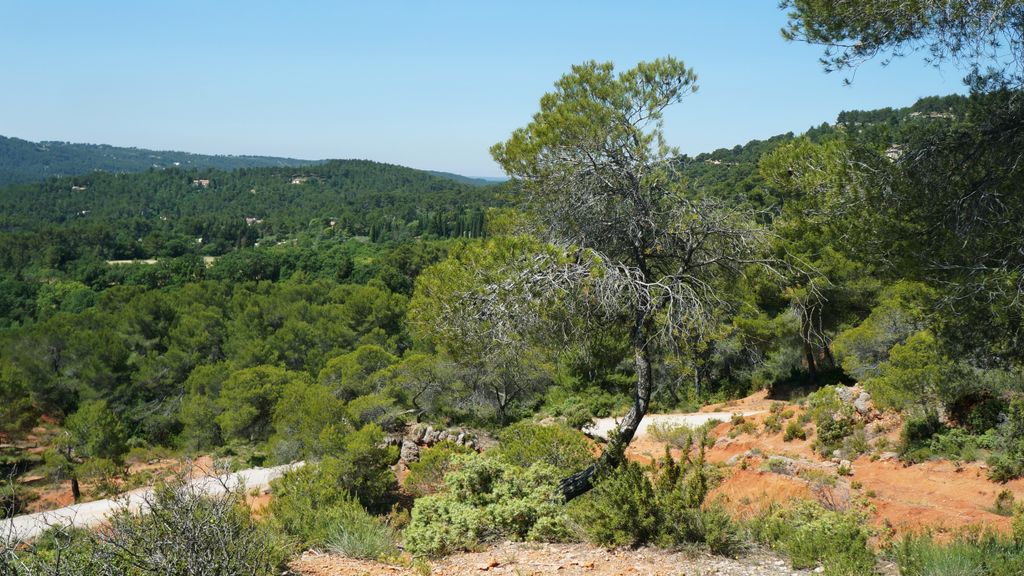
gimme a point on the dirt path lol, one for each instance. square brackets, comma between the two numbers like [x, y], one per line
[517, 558]
[602, 426]
[89, 514]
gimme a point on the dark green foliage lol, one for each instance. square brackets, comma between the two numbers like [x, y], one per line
[13, 499]
[626, 508]
[811, 535]
[794, 431]
[918, 431]
[487, 499]
[24, 161]
[833, 420]
[563, 448]
[313, 505]
[1008, 461]
[621, 509]
[982, 553]
[426, 475]
[184, 532]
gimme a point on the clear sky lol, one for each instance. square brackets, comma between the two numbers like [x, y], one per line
[427, 84]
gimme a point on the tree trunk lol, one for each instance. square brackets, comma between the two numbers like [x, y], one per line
[805, 335]
[76, 490]
[581, 482]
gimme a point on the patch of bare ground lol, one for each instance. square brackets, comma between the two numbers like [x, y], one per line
[563, 559]
[939, 495]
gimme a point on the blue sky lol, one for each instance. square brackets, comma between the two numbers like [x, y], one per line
[427, 84]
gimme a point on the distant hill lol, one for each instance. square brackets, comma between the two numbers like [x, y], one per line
[176, 210]
[22, 161]
[731, 174]
[465, 179]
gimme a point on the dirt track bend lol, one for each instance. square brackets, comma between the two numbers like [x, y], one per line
[602, 426]
[89, 514]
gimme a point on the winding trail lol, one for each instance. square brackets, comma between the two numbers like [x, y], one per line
[90, 514]
[602, 426]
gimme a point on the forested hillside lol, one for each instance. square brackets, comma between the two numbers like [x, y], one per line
[302, 313]
[23, 161]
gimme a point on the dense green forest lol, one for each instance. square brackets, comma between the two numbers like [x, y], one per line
[277, 314]
[323, 271]
[23, 161]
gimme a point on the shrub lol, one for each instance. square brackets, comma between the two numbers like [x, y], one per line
[833, 419]
[426, 475]
[773, 422]
[1004, 505]
[621, 509]
[563, 448]
[184, 532]
[355, 533]
[375, 409]
[185, 529]
[719, 531]
[626, 509]
[677, 436]
[1018, 525]
[305, 499]
[13, 499]
[488, 498]
[794, 431]
[916, 436]
[1008, 462]
[810, 535]
[970, 552]
[682, 436]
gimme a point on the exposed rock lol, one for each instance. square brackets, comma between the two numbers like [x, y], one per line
[863, 403]
[845, 394]
[410, 451]
[416, 435]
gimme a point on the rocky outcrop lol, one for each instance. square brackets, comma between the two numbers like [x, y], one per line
[414, 438]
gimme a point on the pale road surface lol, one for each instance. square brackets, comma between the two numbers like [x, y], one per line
[89, 514]
[602, 426]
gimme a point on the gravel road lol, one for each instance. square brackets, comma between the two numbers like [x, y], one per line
[88, 514]
[602, 426]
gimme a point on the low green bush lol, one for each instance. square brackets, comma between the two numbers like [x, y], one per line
[626, 508]
[306, 500]
[970, 552]
[916, 436]
[487, 498]
[621, 509]
[1018, 526]
[353, 532]
[833, 419]
[794, 431]
[564, 448]
[185, 531]
[426, 475]
[1007, 462]
[811, 535]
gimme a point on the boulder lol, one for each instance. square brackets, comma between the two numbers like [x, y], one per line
[410, 451]
[863, 403]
